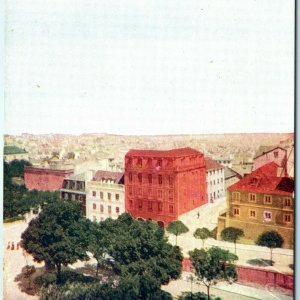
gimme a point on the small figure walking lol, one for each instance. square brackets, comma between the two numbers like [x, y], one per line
[8, 246]
[198, 215]
[12, 246]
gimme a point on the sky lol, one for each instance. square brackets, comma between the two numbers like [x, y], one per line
[149, 67]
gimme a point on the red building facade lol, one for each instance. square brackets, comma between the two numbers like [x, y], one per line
[42, 179]
[161, 185]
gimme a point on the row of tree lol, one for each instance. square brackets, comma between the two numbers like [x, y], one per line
[271, 239]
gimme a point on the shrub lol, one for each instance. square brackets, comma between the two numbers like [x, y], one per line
[45, 279]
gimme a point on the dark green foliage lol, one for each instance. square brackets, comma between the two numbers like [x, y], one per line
[45, 279]
[17, 200]
[232, 234]
[196, 296]
[213, 265]
[177, 228]
[202, 233]
[271, 239]
[57, 235]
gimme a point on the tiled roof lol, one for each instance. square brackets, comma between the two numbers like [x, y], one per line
[265, 149]
[164, 153]
[265, 180]
[242, 169]
[117, 177]
[228, 173]
[212, 164]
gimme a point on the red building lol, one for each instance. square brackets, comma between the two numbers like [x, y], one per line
[42, 179]
[161, 185]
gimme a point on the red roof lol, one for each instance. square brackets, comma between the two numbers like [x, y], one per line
[212, 164]
[265, 180]
[164, 153]
[117, 177]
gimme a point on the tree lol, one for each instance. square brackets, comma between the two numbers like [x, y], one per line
[213, 265]
[98, 243]
[202, 233]
[271, 239]
[232, 234]
[177, 228]
[57, 236]
[140, 251]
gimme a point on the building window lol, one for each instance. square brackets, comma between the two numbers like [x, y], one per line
[150, 178]
[101, 195]
[159, 179]
[159, 206]
[171, 209]
[130, 203]
[252, 213]
[140, 204]
[236, 196]
[170, 181]
[159, 163]
[117, 197]
[267, 216]
[109, 209]
[210, 183]
[149, 205]
[236, 211]
[149, 193]
[117, 210]
[94, 206]
[276, 154]
[221, 180]
[109, 196]
[170, 194]
[287, 218]
[287, 201]
[252, 197]
[101, 208]
[130, 177]
[159, 193]
[214, 182]
[94, 194]
[130, 190]
[140, 176]
[139, 191]
[268, 199]
[139, 163]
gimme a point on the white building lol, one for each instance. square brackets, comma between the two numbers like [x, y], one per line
[105, 196]
[215, 180]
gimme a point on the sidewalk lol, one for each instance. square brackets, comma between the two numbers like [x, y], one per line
[224, 290]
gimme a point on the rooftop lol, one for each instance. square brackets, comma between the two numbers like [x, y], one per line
[116, 177]
[228, 172]
[212, 164]
[265, 149]
[13, 150]
[265, 180]
[164, 153]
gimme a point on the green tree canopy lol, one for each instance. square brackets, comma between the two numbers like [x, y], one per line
[57, 236]
[139, 251]
[271, 239]
[202, 233]
[177, 228]
[213, 265]
[232, 234]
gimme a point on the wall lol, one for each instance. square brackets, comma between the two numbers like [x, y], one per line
[45, 179]
[262, 277]
[269, 157]
[215, 184]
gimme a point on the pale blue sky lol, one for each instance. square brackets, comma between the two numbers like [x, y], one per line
[149, 67]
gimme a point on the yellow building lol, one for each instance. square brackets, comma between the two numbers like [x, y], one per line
[259, 202]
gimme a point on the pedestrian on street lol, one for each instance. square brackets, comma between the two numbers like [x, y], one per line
[12, 246]
[198, 215]
[8, 246]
